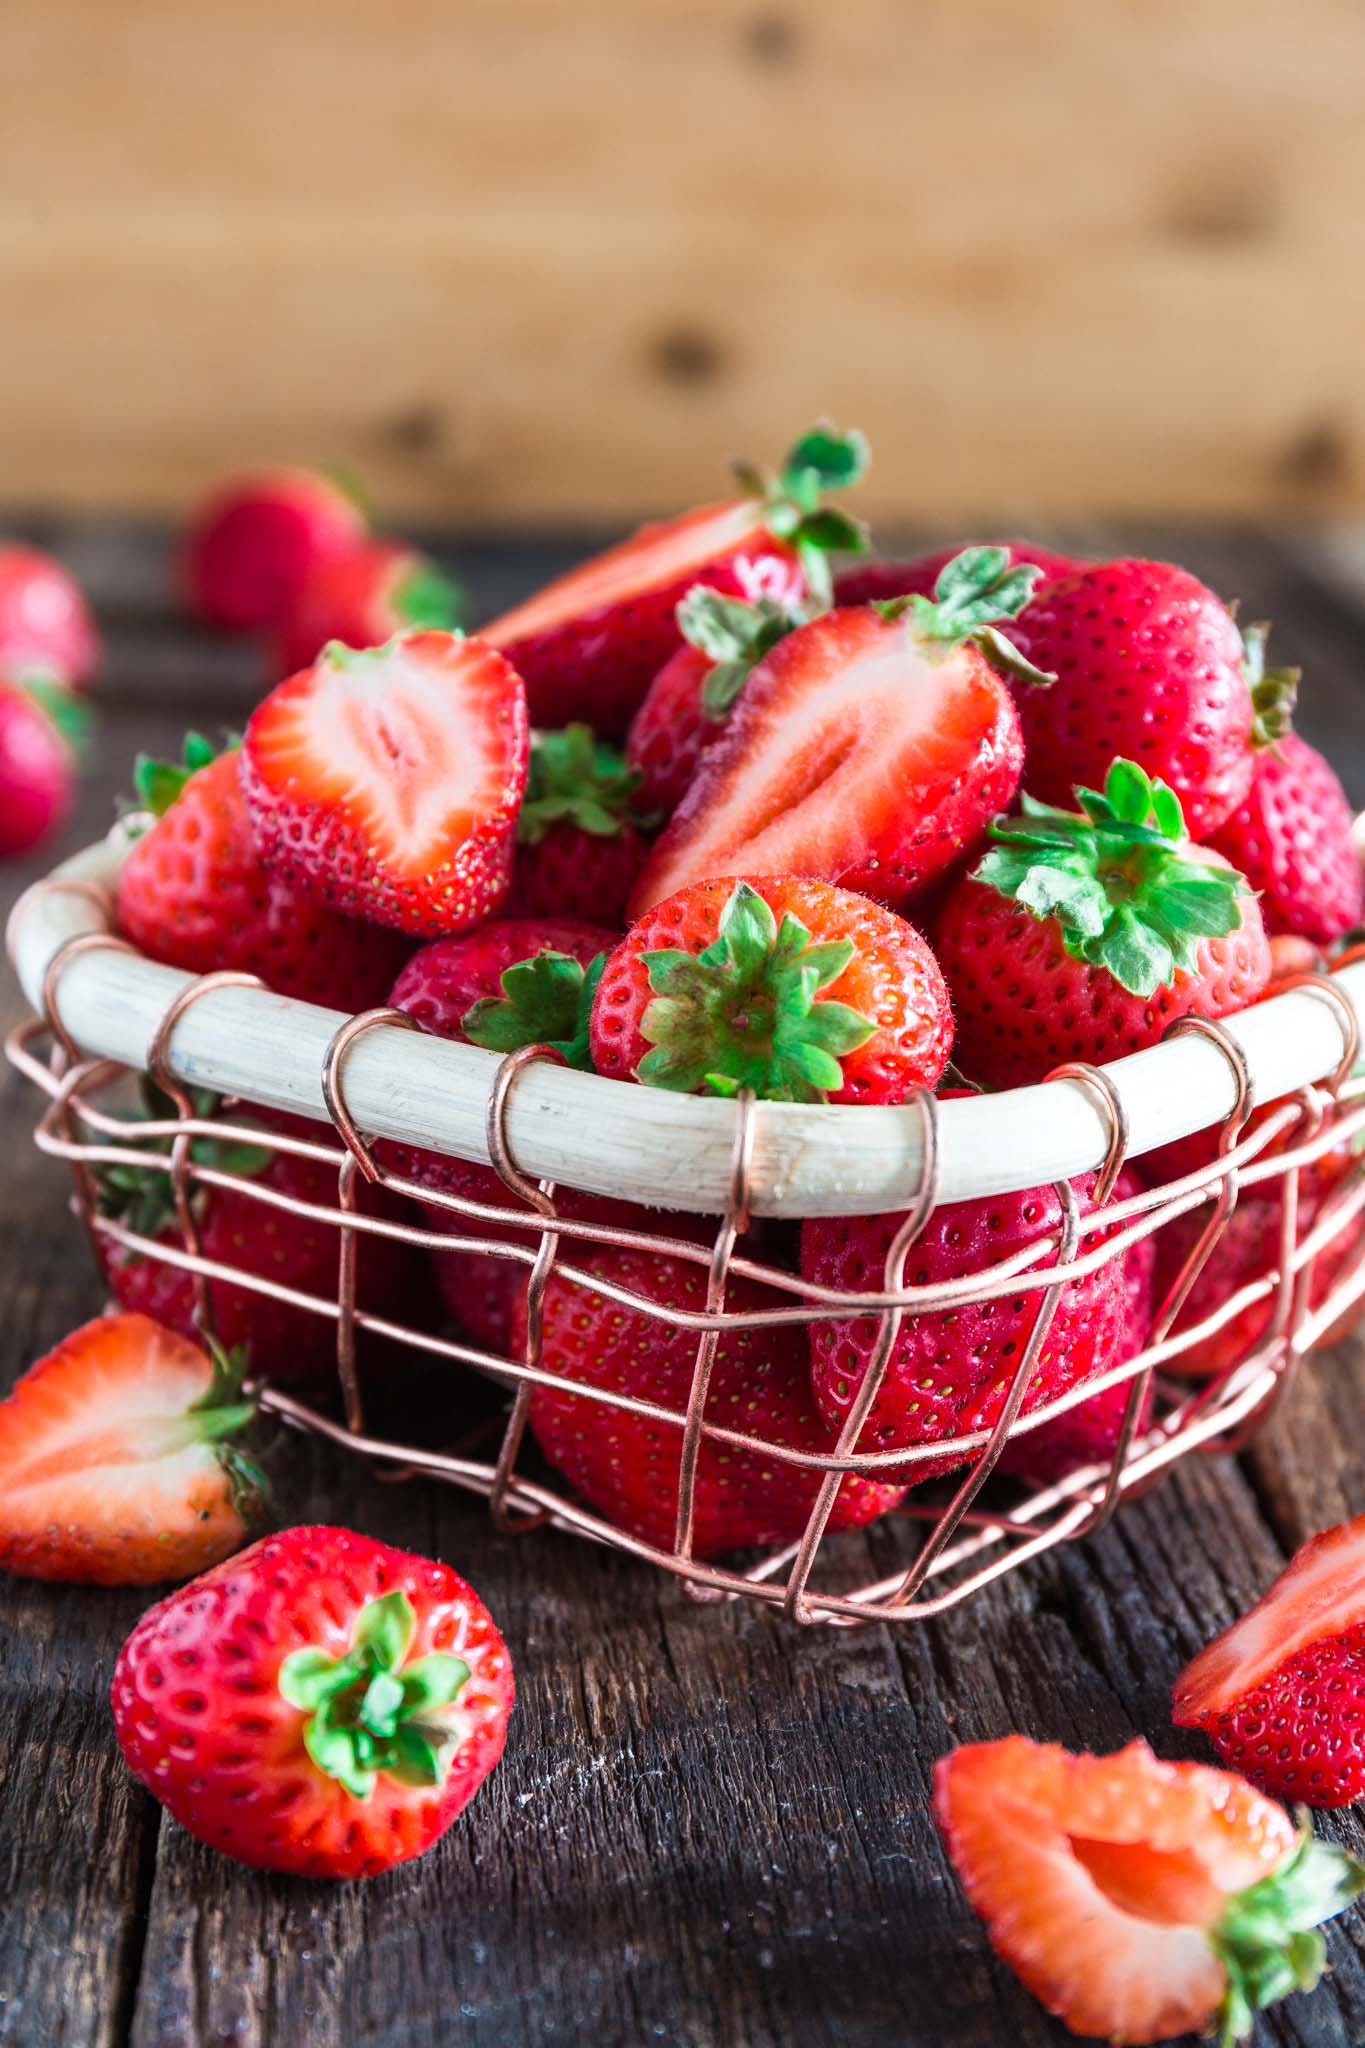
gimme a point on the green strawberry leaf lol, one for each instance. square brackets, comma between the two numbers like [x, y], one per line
[972, 592]
[577, 779]
[141, 1196]
[546, 1000]
[734, 633]
[1266, 1938]
[1274, 691]
[69, 714]
[823, 459]
[157, 784]
[429, 598]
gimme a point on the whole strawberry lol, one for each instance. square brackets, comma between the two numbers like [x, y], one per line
[1291, 837]
[799, 991]
[322, 1704]
[625, 1465]
[41, 732]
[386, 782]
[870, 747]
[580, 832]
[117, 1460]
[363, 596]
[194, 893]
[1083, 935]
[875, 582]
[253, 543]
[590, 644]
[45, 624]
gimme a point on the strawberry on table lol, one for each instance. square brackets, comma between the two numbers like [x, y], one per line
[870, 747]
[193, 892]
[322, 1704]
[1291, 837]
[1138, 1900]
[43, 727]
[590, 643]
[1083, 935]
[362, 597]
[798, 990]
[386, 781]
[1281, 1694]
[872, 582]
[45, 624]
[581, 830]
[254, 541]
[117, 1460]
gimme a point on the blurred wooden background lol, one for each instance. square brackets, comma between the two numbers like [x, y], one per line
[534, 260]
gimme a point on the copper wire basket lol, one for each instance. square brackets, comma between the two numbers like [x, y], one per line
[103, 1010]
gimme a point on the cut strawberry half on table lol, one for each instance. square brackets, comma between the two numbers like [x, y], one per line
[870, 748]
[1138, 1900]
[387, 781]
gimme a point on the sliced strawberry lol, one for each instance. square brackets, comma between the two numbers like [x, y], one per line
[387, 781]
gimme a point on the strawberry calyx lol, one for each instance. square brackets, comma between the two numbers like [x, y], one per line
[1274, 691]
[1266, 1938]
[1116, 878]
[824, 459]
[546, 1000]
[972, 592]
[743, 1013]
[734, 633]
[142, 1196]
[576, 779]
[371, 1711]
[427, 598]
[157, 784]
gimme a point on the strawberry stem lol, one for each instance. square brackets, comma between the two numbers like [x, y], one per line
[1274, 691]
[971, 594]
[157, 784]
[546, 1000]
[577, 779]
[734, 634]
[823, 459]
[1266, 1939]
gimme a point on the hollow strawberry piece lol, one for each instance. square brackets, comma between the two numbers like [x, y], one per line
[387, 781]
[1138, 1899]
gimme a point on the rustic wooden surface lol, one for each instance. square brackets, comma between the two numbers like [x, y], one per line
[710, 1830]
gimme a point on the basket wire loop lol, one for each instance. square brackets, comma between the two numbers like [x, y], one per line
[332, 1093]
[538, 1195]
[83, 942]
[1326, 989]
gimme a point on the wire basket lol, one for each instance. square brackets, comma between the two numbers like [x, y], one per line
[104, 1010]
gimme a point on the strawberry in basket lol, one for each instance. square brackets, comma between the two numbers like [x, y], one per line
[322, 1704]
[1281, 1694]
[1137, 1899]
[1291, 837]
[253, 543]
[875, 582]
[590, 644]
[194, 893]
[1084, 935]
[363, 597]
[580, 832]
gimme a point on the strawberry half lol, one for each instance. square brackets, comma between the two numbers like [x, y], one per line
[1281, 1694]
[1138, 1899]
[115, 1461]
[386, 781]
[253, 543]
[870, 748]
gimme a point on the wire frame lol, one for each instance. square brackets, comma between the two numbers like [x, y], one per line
[950, 1548]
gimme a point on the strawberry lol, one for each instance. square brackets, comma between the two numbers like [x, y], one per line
[387, 782]
[871, 582]
[1291, 837]
[194, 893]
[116, 1465]
[626, 1466]
[1081, 936]
[581, 830]
[45, 624]
[254, 541]
[322, 1704]
[363, 597]
[1149, 663]
[42, 730]
[869, 748]
[590, 644]
[840, 1001]
[283, 1341]
[694, 692]
[1138, 1899]
[1281, 1694]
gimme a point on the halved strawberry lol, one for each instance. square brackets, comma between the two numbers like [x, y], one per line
[115, 1465]
[1138, 1899]
[387, 781]
[871, 747]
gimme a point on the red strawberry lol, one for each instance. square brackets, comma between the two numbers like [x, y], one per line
[1281, 1694]
[362, 598]
[709, 993]
[1291, 838]
[115, 1461]
[41, 730]
[1138, 1899]
[1150, 664]
[193, 892]
[869, 748]
[950, 1372]
[627, 1466]
[873, 582]
[1083, 936]
[590, 644]
[580, 832]
[321, 1704]
[45, 624]
[283, 1341]
[387, 782]
[694, 692]
[254, 541]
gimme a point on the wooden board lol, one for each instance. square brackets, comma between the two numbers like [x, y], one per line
[534, 261]
[709, 1829]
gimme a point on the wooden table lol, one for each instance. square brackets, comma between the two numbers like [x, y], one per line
[710, 1828]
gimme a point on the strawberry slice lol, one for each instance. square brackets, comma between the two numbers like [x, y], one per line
[114, 1462]
[386, 781]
